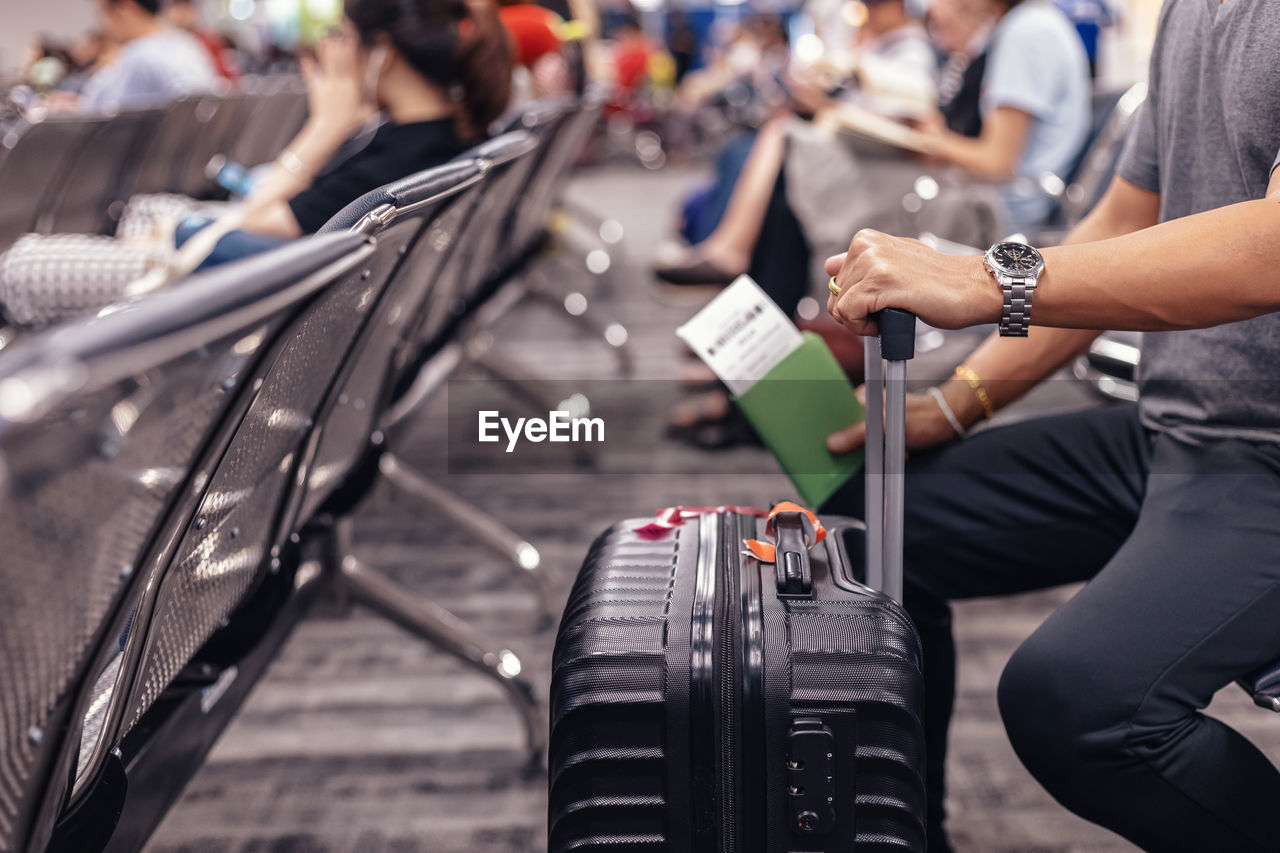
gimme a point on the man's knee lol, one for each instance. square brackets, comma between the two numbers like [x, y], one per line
[1061, 720]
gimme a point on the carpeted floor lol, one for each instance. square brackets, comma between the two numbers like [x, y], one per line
[361, 739]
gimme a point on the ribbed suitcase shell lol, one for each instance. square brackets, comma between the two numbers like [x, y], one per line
[633, 740]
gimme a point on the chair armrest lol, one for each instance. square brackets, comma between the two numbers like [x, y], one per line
[935, 194]
[1264, 686]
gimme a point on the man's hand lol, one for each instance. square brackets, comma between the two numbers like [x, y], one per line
[926, 426]
[879, 271]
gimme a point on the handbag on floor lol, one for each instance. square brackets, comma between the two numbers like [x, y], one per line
[734, 681]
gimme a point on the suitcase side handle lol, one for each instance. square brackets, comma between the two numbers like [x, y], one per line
[886, 385]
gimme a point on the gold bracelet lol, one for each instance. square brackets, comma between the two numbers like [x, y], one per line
[293, 164]
[971, 377]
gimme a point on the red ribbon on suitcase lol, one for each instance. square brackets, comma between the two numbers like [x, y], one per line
[675, 516]
[766, 552]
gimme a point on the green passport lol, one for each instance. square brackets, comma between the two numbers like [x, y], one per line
[798, 403]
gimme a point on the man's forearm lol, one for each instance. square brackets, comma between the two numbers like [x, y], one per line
[1012, 366]
[1198, 271]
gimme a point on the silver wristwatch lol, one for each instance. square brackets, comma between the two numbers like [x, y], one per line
[1017, 267]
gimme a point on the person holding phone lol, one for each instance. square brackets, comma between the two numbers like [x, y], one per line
[440, 72]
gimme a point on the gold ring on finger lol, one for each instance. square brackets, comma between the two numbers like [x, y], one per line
[833, 287]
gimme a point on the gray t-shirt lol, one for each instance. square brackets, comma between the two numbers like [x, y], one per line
[151, 71]
[1208, 136]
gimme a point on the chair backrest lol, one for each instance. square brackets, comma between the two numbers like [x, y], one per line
[168, 148]
[216, 136]
[531, 216]
[293, 115]
[507, 160]
[100, 177]
[33, 161]
[497, 249]
[252, 501]
[1113, 114]
[110, 429]
[407, 196]
[440, 200]
[272, 121]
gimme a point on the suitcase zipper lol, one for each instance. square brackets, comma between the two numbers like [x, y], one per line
[730, 629]
[752, 775]
[705, 670]
[727, 700]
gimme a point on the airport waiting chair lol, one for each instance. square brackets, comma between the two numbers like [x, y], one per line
[497, 265]
[537, 231]
[113, 434]
[33, 159]
[531, 220]
[206, 610]
[99, 179]
[272, 122]
[216, 136]
[485, 278]
[354, 452]
[1111, 365]
[435, 340]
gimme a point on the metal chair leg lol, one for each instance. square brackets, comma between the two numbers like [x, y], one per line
[583, 313]
[441, 628]
[544, 395]
[580, 310]
[490, 532]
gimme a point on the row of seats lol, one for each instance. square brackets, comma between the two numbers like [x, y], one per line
[73, 174]
[178, 478]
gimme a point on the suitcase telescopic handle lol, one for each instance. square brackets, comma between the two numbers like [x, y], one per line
[886, 451]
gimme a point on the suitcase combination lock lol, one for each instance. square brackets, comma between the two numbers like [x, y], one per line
[811, 779]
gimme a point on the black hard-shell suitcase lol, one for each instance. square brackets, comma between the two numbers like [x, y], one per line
[704, 700]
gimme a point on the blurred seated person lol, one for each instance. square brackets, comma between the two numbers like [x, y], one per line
[752, 53]
[534, 30]
[155, 63]
[183, 15]
[46, 65]
[537, 38]
[439, 70]
[632, 53]
[1034, 118]
[893, 53]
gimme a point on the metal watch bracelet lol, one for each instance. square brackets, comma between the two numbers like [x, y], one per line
[1015, 318]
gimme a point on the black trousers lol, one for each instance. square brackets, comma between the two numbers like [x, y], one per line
[1181, 548]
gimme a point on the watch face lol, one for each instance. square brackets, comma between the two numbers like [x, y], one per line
[1016, 259]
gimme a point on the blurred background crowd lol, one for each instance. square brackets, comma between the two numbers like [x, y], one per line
[817, 117]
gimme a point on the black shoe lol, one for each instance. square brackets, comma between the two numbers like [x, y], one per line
[700, 272]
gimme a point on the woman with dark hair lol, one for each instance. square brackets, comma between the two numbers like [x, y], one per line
[438, 70]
